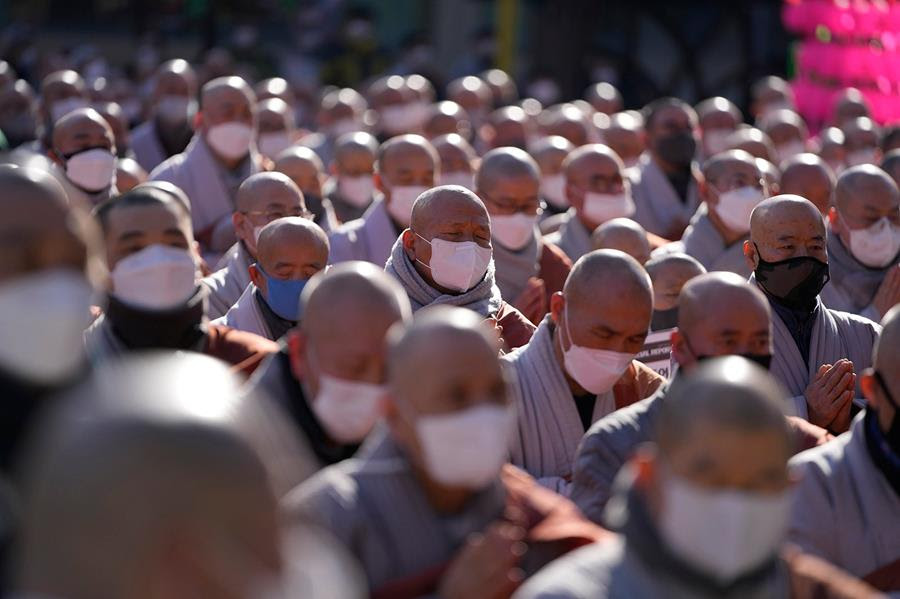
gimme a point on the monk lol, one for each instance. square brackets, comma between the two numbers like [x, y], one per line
[216, 161]
[891, 165]
[129, 174]
[351, 190]
[49, 259]
[115, 117]
[864, 244]
[155, 299]
[598, 191]
[446, 257]
[622, 234]
[445, 118]
[213, 523]
[18, 113]
[529, 268]
[435, 475]
[604, 97]
[550, 153]
[848, 105]
[568, 121]
[669, 272]
[788, 133]
[817, 350]
[769, 94]
[340, 111]
[276, 87]
[61, 92]
[667, 194]
[83, 146]
[277, 127]
[703, 511]
[832, 150]
[330, 374]
[474, 95]
[458, 160]
[507, 126]
[718, 118]
[732, 187]
[304, 167]
[289, 251]
[261, 199]
[848, 493]
[173, 105]
[810, 177]
[502, 86]
[752, 141]
[625, 135]
[579, 366]
[862, 141]
[407, 165]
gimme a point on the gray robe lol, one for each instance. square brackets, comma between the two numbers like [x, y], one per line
[572, 237]
[853, 285]
[369, 238]
[376, 507]
[514, 268]
[835, 335]
[605, 448]
[845, 511]
[246, 315]
[702, 241]
[658, 206]
[228, 283]
[148, 151]
[549, 427]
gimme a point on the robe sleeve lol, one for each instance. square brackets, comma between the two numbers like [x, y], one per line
[813, 516]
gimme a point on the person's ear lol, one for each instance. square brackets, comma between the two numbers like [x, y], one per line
[379, 182]
[869, 386]
[257, 277]
[296, 345]
[680, 351]
[750, 254]
[198, 121]
[557, 305]
[237, 220]
[706, 195]
[834, 221]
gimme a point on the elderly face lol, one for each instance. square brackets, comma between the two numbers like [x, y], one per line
[861, 211]
[290, 257]
[132, 228]
[734, 175]
[792, 231]
[509, 195]
[668, 281]
[736, 325]
[259, 209]
[609, 320]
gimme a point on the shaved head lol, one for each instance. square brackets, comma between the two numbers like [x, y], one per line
[625, 235]
[435, 207]
[261, 189]
[403, 148]
[891, 165]
[867, 185]
[725, 163]
[504, 164]
[754, 141]
[717, 299]
[784, 216]
[669, 273]
[292, 239]
[886, 354]
[226, 89]
[80, 129]
[810, 177]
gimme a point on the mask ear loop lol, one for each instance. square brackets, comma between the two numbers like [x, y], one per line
[429, 244]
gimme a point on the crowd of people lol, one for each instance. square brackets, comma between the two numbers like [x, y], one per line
[403, 351]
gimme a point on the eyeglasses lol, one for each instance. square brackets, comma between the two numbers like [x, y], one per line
[275, 214]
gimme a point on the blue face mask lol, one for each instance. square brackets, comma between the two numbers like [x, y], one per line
[284, 296]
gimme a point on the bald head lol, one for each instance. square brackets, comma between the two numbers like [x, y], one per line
[456, 155]
[446, 206]
[810, 177]
[726, 396]
[275, 115]
[62, 92]
[149, 434]
[669, 272]
[292, 248]
[866, 188]
[82, 129]
[625, 135]
[753, 141]
[262, 189]
[622, 234]
[503, 165]
[730, 163]
[304, 167]
[791, 219]
[397, 151]
[226, 90]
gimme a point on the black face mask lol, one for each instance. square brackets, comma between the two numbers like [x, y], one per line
[795, 282]
[677, 148]
[664, 319]
[892, 435]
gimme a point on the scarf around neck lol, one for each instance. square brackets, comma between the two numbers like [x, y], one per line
[484, 298]
[181, 327]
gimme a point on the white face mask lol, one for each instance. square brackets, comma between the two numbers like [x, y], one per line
[513, 231]
[42, 319]
[877, 245]
[736, 205]
[461, 178]
[91, 170]
[716, 140]
[343, 127]
[272, 144]
[175, 109]
[863, 156]
[231, 140]
[553, 189]
[347, 409]
[789, 150]
[357, 190]
[397, 119]
[457, 265]
[156, 278]
[723, 533]
[401, 203]
[466, 448]
[61, 108]
[597, 370]
[601, 207]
